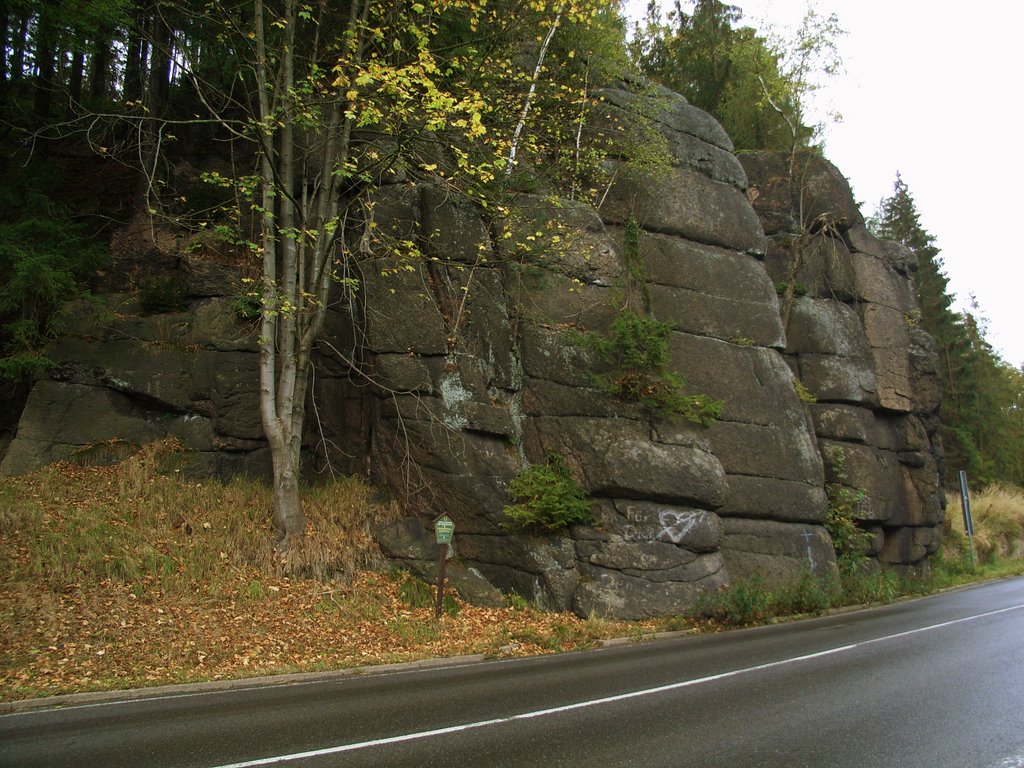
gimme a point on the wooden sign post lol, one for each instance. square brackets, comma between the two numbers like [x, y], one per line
[444, 529]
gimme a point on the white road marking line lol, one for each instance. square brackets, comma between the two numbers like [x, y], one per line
[597, 702]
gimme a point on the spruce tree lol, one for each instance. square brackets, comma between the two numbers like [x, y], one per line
[982, 431]
[897, 219]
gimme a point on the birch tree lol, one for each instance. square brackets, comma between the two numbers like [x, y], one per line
[340, 94]
[330, 95]
[378, 72]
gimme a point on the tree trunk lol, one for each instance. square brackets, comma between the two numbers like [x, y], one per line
[45, 66]
[300, 222]
[5, 18]
[160, 67]
[279, 385]
[99, 76]
[75, 81]
[18, 50]
[289, 520]
[513, 148]
[135, 66]
[157, 84]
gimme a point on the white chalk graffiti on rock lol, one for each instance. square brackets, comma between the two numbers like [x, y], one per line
[806, 536]
[676, 526]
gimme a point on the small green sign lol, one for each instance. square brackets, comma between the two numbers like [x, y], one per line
[444, 527]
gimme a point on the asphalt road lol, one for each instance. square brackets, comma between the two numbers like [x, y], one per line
[931, 683]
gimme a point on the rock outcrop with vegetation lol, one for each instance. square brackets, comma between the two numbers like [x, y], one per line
[789, 364]
[855, 342]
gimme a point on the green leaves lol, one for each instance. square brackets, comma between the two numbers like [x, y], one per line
[845, 504]
[756, 85]
[637, 343]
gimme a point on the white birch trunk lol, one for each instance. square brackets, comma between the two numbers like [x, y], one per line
[521, 124]
[300, 223]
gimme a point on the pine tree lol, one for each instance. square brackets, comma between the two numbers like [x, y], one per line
[982, 428]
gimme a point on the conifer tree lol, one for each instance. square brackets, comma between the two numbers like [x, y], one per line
[730, 71]
[981, 394]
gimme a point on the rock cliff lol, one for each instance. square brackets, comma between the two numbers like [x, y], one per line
[470, 367]
[853, 339]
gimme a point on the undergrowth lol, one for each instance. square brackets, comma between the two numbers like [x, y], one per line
[130, 575]
[753, 602]
[998, 515]
[844, 507]
[636, 349]
[416, 593]
[997, 547]
[135, 525]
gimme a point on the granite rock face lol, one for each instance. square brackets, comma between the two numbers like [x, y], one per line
[458, 370]
[853, 341]
[122, 380]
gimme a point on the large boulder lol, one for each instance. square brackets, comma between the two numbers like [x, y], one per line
[775, 552]
[125, 378]
[684, 203]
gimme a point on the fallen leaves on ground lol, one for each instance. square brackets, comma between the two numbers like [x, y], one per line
[80, 640]
[122, 577]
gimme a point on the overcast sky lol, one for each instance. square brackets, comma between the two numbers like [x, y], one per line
[932, 90]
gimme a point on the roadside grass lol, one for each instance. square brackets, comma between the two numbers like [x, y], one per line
[997, 550]
[135, 525]
[131, 575]
[998, 514]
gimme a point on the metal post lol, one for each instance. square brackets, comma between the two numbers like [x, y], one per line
[965, 506]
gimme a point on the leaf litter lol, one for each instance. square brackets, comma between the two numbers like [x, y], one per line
[124, 576]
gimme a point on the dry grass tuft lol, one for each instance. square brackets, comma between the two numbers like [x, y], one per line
[998, 514]
[338, 540]
[141, 523]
